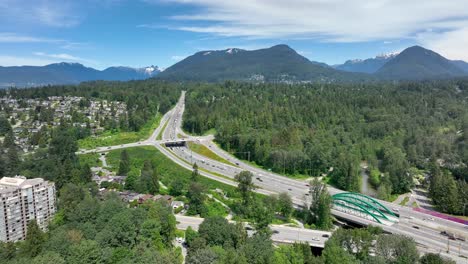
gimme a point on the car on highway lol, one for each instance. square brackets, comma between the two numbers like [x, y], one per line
[395, 209]
[416, 227]
[237, 163]
[325, 235]
[275, 232]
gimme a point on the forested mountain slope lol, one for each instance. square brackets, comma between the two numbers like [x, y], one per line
[279, 63]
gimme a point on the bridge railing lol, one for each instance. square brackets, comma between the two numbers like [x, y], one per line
[356, 203]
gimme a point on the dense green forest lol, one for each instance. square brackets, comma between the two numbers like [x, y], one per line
[90, 230]
[399, 129]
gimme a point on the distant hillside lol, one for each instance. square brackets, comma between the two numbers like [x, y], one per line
[417, 63]
[68, 73]
[366, 66]
[461, 64]
[276, 64]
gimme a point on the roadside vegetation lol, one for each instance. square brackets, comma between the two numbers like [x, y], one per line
[170, 173]
[159, 137]
[203, 150]
[118, 137]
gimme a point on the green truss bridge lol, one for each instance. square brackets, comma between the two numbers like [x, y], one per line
[363, 206]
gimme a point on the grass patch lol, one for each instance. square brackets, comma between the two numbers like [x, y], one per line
[204, 151]
[159, 137]
[414, 205]
[167, 169]
[404, 201]
[210, 132]
[91, 159]
[215, 209]
[180, 135]
[282, 221]
[112, 138]
[393, 197]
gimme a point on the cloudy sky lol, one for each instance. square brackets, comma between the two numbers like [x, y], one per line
[102, 33]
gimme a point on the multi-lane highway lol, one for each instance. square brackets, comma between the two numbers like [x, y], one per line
[421, 227]
[281, 234]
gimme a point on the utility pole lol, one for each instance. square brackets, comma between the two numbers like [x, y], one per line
[448, 245]
[284, 164]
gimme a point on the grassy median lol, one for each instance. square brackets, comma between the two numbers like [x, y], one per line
[204, 151]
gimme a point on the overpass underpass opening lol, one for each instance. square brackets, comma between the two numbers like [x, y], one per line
[364, 207]
[171, 144]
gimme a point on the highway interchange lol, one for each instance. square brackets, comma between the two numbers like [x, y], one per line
[424, 229]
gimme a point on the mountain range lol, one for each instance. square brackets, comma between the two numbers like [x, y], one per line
[366, 66]
[279, 63]
[69, 73]
[282, 64]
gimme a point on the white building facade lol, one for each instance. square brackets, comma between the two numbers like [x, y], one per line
[23, 200]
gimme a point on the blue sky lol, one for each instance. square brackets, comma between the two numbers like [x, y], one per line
[137, 33]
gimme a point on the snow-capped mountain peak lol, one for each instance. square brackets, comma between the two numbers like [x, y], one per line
[232, 50]
[387, 55]
[151, 70]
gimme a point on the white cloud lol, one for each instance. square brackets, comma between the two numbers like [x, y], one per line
[452, 44]
[6, 60]
[332, 20]
[56, 15]
[16, 38]
[65, 57]
[53, 13]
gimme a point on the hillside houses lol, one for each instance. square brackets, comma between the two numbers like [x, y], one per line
[30, 117]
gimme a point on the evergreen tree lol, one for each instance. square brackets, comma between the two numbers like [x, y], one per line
[195, 174]
[324, 217]
[13, 162]
[196, 198]
[9, 140]
[86, 173]
[34, 240]
[285, 206]
[245, 186]
[124, 166]
[2, 164]
[319, 212]
[145, 182]
[154, 188]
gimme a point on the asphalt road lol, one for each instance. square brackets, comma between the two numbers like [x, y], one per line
[281, 234]
[427, 233]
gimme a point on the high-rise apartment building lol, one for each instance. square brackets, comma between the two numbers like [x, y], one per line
[22, 200]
